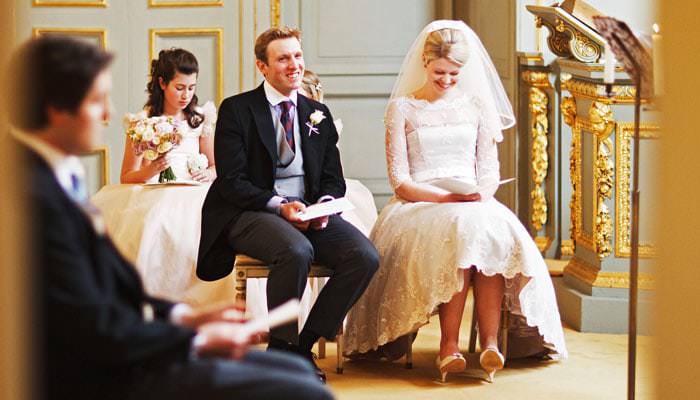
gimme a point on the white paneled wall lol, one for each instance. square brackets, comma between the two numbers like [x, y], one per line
[357, 48]
[220, 33]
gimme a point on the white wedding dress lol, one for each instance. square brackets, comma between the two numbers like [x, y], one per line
[424, 246]
[157, 227]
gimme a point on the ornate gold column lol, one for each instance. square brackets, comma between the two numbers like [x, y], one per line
[539, 159]
[595, 128]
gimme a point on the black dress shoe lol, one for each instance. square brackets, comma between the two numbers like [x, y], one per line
[279, 344]
[312, 359]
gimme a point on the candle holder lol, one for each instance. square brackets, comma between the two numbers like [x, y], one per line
[638, 64]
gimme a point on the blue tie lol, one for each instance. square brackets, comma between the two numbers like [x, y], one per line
[77, 189]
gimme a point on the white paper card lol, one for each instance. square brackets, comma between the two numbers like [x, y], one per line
[280, 315]
[454, 185]
[328, 208]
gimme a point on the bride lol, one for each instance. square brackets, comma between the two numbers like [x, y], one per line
[157, 226]
[444, 119]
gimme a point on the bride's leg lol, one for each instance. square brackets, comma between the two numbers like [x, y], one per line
[450, 319]
[488, 294]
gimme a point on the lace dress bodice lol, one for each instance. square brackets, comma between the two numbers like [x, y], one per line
[445, 138]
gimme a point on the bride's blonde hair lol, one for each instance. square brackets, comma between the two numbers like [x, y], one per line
[447, 43]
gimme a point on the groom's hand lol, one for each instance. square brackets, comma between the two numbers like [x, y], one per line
[290, 212]
[318, 224]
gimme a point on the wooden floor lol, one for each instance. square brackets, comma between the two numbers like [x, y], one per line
[596, 369]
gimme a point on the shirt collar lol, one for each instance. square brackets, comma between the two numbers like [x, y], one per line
[63, 165]
[274, 97]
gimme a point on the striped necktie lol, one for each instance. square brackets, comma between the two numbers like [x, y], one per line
[287, 120]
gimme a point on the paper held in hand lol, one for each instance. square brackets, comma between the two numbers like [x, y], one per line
[454, 185]
[328, 208]
[280, 315]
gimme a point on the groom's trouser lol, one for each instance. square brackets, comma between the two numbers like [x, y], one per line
[289, 253]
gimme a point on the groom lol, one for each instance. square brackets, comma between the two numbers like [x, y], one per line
[273, 157]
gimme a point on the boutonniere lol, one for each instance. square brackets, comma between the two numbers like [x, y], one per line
[314, 119]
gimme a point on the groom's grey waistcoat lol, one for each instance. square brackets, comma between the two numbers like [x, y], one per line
[289, 180]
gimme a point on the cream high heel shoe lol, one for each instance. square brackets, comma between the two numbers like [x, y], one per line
[452, 363]
[491, 360]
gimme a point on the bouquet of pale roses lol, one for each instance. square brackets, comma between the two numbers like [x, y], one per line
[153, 137]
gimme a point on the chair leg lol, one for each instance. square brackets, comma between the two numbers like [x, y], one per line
[339, 349]
[240, 289]
[409, 352]
[472, 331]
[504, 332]
[322, 348]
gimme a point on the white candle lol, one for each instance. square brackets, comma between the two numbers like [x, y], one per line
[609, 71]
[656, 61]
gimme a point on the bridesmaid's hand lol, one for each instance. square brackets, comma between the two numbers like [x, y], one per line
[204, 175]
[158, 165]
[460, 198]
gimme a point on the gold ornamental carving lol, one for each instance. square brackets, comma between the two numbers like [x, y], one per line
[568, 110]
[623, 194]
[566, 41]
[536, 78]
[621, 94]
[583, 48]
[539, 158]
[601, 117]
[602, 125]
[593, 276]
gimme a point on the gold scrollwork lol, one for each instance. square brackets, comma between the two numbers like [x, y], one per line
[623, 194]
[567, 247]
[275, 13]
[536, 78]
[601, 117]
[602, 124]
[568, 110]
[593, 276]
[622, 94]
[583, 48]
[558, 42]
[566, 41]
[539, 157]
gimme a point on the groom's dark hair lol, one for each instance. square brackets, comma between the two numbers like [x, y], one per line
[270, 35]
[55, 71]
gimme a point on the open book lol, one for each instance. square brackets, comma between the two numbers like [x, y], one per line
[455, 185]
[327, 208]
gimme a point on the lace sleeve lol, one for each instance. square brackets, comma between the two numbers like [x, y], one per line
[487, 165]
[396, 148]
[209, 124]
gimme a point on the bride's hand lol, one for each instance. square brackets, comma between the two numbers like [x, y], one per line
[459, 198]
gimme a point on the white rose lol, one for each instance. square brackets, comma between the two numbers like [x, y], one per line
[165, 147]
[197, 162]
[150, 155]
[316, 117]
[164, 128]
[147, 134]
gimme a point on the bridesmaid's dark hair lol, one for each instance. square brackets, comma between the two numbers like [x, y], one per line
[168, 63]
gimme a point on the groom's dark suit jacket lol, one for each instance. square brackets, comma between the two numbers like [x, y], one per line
[92, 338]
[245, 150]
